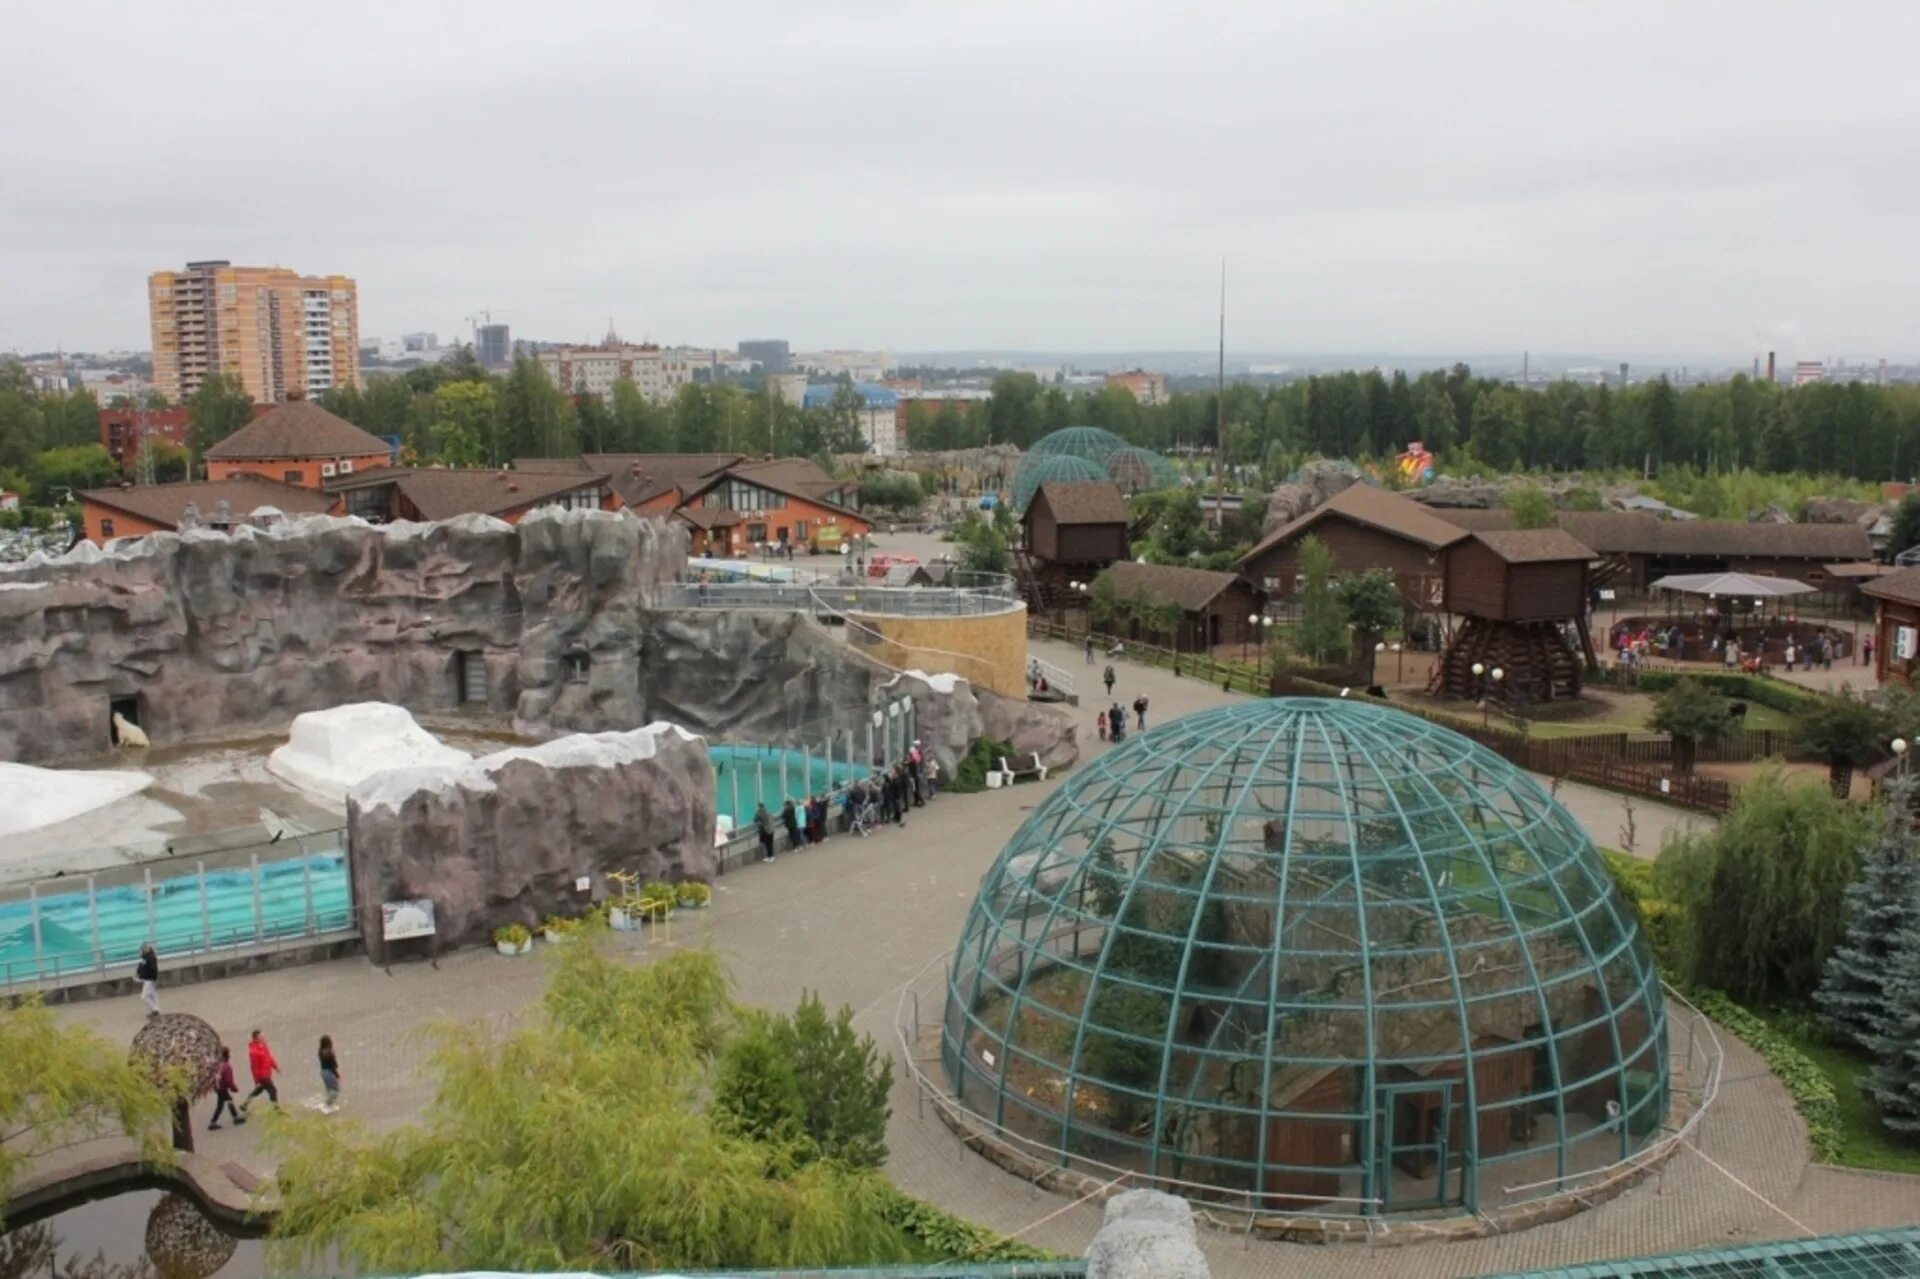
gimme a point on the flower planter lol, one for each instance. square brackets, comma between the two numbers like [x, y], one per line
[556, 939]
[508, 948]
[621, 921]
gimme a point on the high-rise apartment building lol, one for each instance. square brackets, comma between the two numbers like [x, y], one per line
[493, 346]
[771, 354]
[282, 334]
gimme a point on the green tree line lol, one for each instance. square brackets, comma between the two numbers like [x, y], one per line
[1856, 430]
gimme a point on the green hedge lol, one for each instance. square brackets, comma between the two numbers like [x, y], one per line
[1772, 693]
[1812, 1091]
[1659, 919]
[953, 1237]
[983, 758]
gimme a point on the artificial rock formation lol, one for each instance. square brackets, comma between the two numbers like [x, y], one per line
[206, 631]
[506, 838]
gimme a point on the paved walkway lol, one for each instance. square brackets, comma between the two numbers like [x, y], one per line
[855, 920]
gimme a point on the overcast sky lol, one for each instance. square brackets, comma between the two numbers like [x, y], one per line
[1613, 178]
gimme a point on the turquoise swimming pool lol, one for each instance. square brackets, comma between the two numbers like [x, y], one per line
[743, 776]
[299, 896]
[77, 931]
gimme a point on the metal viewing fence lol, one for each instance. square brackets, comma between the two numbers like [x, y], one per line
[271, 890]
[964, 595]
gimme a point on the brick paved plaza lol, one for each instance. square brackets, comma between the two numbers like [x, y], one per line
[856, 919]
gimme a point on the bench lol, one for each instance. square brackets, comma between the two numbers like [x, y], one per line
[1007, 774]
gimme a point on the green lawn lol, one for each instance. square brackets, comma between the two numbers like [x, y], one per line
[1866, 1143]
[1627, 713]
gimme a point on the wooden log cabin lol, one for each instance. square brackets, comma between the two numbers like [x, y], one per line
[1514, 591]
[1070, 532]
[1896, 635]
[1364, 528]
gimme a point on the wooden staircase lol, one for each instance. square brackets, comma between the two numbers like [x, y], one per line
[1536, 663]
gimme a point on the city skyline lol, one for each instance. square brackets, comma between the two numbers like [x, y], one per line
[1638, 179]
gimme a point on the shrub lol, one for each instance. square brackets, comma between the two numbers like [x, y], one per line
[1761, 895]
[1660, 920]
[1774, 694]
[808, 1083]
[947, 1235]
[1690, 712]
[981, 758]
[512, 935]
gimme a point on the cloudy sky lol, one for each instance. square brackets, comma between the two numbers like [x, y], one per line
[1612, 178]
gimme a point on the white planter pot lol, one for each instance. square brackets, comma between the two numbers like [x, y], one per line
[555, 939]
[620, 921]
[508, 948]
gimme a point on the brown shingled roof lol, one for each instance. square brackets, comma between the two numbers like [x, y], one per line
[1376, 508]
[641, 477]
[1191, 588]
[163, 504]
[1633, 533]
[297, 429]
[440, 493]
[1902, 587]
[1475, 520]
[1534, 545]
[1085, 502]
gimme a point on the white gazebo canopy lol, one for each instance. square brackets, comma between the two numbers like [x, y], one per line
[1731, 585]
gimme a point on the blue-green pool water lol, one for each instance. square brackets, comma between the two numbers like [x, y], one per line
[301, 895]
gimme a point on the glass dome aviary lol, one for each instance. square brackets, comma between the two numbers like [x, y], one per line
[1308, 955]
[1051, 468]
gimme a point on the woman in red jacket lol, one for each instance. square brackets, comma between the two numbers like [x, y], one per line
[261, 1064]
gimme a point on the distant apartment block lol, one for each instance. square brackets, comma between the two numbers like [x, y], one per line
[592, 370]
[1148, 388]
[861, 366]
[493, 346]
[1806, 371]
[877, 416]
[771, 354]
[282, 334]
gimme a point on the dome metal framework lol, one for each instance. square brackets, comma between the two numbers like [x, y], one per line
[1305, 955]
[1138, 470]
[1093, 443]
[1051, 468]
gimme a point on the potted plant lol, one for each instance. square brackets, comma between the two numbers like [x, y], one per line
[623, 914]
[656, 899]
[513, 939]
[692, 895]
[557, 929]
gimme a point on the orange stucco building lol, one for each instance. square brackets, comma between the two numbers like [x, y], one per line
[297, 443]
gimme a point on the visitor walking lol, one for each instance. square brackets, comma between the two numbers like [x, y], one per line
[1117, 723]
[147, 971]
[796, 838]
[931, 772]
[900, 793]
[1792, 652]
[262, 1066]
[223, 1089]
[1140, 712]
[1730, 655]
[1101, 721]
[329, 1076]
[1826, 652]
[1089, 648]
[913, 775]
[1108, 678]
[763, 822]
[1866, 651]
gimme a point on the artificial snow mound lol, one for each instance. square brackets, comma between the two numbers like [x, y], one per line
[35, 797]
[329, 752]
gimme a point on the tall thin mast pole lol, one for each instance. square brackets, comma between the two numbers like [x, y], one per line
[1220, 388]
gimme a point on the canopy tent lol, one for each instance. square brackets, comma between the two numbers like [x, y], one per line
[1731, 585]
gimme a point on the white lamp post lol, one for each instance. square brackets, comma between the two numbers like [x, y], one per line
[1899, 746]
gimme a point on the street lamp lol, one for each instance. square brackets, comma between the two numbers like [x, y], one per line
[1496, 675]
[1399, 662]
[1253, 628]
[1899, 746]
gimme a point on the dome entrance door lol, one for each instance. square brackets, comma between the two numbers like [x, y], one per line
[1417, 1145]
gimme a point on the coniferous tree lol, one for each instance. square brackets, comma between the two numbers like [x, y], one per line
[1893, 1085]
[1882, 908]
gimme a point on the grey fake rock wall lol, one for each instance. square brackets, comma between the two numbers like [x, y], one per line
[774, 678]
[215, 631]
[502, 839]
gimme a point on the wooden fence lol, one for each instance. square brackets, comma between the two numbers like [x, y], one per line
[1632, 763]
[1616, 761]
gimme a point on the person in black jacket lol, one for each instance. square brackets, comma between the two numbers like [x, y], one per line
[147, 971]
[763, 822]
